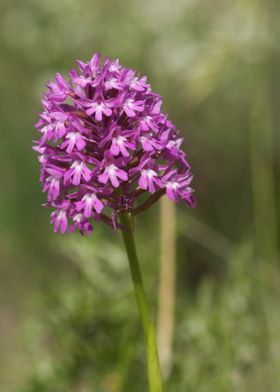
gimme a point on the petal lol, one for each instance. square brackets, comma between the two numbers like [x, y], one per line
[71, 144]
[122, 174]
[56, 225]
[143, 182]
[124, 151]
[86, 173]
[98, 114]
[63, 224]
[54, 189]
[59, 116]
[107, 111]
[146, 145]
[157, 181]
[76, 177]
[90, 110]
[129, 112]
[94, 62]
[103, 178]
[80, 144]
[68, 175]
[151, 186]
[115, 149]
[170, 193]
[98, 205]
[88, 209]
[114, 180]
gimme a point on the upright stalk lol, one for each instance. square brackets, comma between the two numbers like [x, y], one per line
[166, 293]
[153, 366]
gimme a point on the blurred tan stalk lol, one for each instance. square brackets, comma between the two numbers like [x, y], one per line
[264, 207]
[261, 143]
[263, 184]
[166, 294]
[262, 139]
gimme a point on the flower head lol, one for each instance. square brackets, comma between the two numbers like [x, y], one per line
[104, 141]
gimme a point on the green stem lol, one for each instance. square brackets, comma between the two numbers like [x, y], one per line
[154, 372]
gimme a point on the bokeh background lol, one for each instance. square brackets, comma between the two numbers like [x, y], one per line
[68, 320]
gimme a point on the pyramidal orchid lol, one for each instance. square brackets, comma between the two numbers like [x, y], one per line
[103, 133]
[105, 144]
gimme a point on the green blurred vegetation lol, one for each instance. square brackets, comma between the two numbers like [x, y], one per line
[68, 319]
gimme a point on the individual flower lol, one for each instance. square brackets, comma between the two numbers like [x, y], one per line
[104, 143]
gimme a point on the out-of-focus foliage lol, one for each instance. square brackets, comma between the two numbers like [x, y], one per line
[68, 320]
[223, 340]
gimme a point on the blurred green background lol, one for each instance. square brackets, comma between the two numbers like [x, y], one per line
[68, 320]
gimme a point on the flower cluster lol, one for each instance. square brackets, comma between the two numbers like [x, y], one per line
[104, 141]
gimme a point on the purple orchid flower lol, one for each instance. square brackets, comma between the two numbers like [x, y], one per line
[73, 139]
[120, 145]
[60, 221]
[78, 171]
[131, 107]
[114, 174]
[89, 202]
